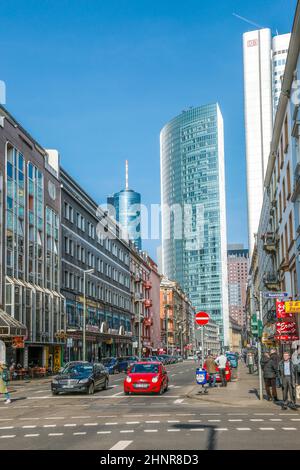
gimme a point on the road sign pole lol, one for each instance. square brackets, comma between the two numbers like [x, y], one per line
[202, 346]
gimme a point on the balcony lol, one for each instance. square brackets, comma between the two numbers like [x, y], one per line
[271, 281]
[148, 303]
[148, 321]
[147, 284]
[138, 278]
[269, 242]
[138, 297]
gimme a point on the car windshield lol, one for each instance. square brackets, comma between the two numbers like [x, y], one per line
[78, 369]
[144, 369]
[108, 361]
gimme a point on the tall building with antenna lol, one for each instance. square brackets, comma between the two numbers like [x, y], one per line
[125, 206]
[264, 62]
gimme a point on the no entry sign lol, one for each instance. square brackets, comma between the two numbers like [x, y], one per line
[201, 318]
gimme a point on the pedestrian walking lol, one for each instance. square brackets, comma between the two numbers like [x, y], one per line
[221, 362]
[287, 372]
[296, 362]
[211, 369]
[4, 378]
[269, 368]
[275, 357]
[250, 362]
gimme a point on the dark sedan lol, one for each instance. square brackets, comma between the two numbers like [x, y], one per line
[80, 377]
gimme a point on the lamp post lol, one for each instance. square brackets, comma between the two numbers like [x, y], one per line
[87, 271]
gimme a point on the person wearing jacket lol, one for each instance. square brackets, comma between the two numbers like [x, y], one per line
[287, 372]
[3, 382]
[210, 366]
[269, 367]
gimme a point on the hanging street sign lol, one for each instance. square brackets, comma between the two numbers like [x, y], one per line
[202, 318]
[281, 310]
[292, 307]
[275, 295]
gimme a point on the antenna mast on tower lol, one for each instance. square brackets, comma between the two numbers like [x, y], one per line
[126, 175]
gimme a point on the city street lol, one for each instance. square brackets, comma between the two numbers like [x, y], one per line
[111, 420]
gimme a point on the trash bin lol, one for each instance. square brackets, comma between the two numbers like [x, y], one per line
[201, 378]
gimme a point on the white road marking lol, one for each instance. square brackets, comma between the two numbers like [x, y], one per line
[173, 430]
[267, 429]
[257, 419]
[194, 420]
[58, 417]
[7, 427]
[110, 424]
[75, 417]
[71, 425]
[127, 416]
[158, 414]
[152, 422]
[121, 445]
[7, 436]
[150, 430]
[132, 422]
[173, 421]
[263, 414]
[275, 419]
[243, 429]
[178, 401]
[39, 398]
[49, 426]
[210, 414]
[185, 414]
[289, 429]
[107, 416]
[53, 434]
[90, 424]
[31, 435]
[214, 420]
[295, 419]
[103, 432]
[221, 429]
[126, 431]
[29, 426]
[234, 420]
[78, 433]
[117, 394]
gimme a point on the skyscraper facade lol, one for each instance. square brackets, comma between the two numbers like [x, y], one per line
[193, 209]
[127, 211]
[264, 62]
[238, 267]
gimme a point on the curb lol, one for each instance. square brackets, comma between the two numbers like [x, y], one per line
[221, 402]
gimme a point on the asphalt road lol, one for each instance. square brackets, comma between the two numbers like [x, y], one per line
[110, 420]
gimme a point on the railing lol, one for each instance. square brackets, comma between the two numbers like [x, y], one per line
[147, 284]
[269, 241]
[148, 303]
[271, 280]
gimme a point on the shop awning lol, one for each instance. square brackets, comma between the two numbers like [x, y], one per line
[11, 327]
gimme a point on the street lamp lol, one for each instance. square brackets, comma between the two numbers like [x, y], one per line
[87, 271]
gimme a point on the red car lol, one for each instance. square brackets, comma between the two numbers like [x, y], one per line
[146, 377]
[227, 373]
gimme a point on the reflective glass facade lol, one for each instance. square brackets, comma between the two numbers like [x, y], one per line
[193, 209]
[127, 204]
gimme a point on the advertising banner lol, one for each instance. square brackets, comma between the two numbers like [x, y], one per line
[292, 307]
[281, 310]
[286, 328]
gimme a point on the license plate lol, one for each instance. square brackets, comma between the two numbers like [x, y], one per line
[68, 386]
[141, 385]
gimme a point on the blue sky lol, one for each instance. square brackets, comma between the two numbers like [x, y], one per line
[98, 79]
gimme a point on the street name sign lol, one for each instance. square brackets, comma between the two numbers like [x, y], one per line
[202, 318]
[275, 295]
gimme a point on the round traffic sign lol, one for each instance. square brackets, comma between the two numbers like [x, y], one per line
[202, 318]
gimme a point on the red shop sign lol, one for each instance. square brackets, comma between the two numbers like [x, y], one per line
[286, 328]
[286, 337]
[280, 310]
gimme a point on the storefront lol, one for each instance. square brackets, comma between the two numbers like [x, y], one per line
[12, 335]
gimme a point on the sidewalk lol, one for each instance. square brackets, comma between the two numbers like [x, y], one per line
[15, 385]
[243, 391]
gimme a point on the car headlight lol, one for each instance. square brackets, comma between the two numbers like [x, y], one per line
[83, 381]
[128, 379]
[54, 381]
[155, 379]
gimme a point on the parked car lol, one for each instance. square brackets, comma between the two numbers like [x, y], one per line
[161, 359]
[146, 377]
[218, 377]
[80, 376]
[125, 361]
[111, 364]
[233, 359]
[179, 359]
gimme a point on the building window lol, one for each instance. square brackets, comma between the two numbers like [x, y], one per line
[286, 240]
[291, 228]
[288, 179]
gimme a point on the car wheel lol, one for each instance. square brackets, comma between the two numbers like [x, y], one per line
[167, 387]
[126, 393]
[105, 386]
[54, 393]
[91, 389]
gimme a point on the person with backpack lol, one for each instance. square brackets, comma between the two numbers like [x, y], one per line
[4, 378]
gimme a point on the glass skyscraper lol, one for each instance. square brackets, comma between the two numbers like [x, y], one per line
[193, 209]
[127, 208]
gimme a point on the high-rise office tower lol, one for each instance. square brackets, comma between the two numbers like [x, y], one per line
[238, 266]
[127, 211]
[194, 250]
[263, 58]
